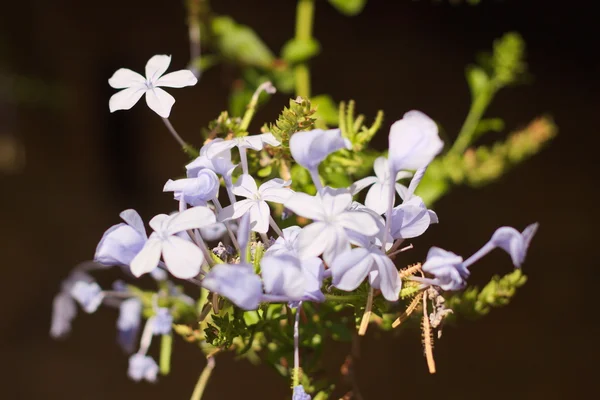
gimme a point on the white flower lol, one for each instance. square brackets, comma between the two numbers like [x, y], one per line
[378, 194]
[196, 191]
[135, 85]
[310, 148]
[219, 162]
[411, 219]
[274, 190]
[414, 142]
[329, 210]
[286, 244]
[182, 258]
[254, 142]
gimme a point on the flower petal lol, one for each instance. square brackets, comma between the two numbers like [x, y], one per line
[235, 210]
[313, 239]
[195, 217]
[236, 282]
[259, 217]
[381, 169]
[126, 98]
[310, 148]
[306, 206]
[350, 268]
[159, 101]
[283, 275]
[275, 190]
[134, 220]
[337, 244]
[335, 201]
[245, 186]
[360, 184]
[157, 66]
[147, 259]
[389, 281]
[377, 197]
[183, 258]
[359, 221]
[125, 78]
[410, 219]
[177, 79]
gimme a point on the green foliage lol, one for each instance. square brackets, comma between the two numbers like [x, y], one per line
[497, 293]
[349, 7]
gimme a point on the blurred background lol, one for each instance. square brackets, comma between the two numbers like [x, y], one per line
[68, 167]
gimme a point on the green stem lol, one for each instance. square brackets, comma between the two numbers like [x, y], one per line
[305, 13]
[203, 380]
[166, 345]
[251, 109]
[467, 131]
[341, 299]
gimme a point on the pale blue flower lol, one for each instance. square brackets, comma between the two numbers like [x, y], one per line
[310, 148]
[237, 282]
[196, 191]
[287, 278]
[142, 367]
[300, 394]
[122, 242]
[254, 142]
[349, 270]
[411, 219]
[128, 323]
[286, 244]
[64, 311]
[220, 163]
[162, 321]
[182, 258]
[255, 204]
[379, 192]
[330, 211]
[448, 269]
[88, 294]
[213, 232]
[414, 142]
[514, 242]
[135, 86]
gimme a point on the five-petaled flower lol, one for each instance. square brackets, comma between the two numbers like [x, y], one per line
[135, 85]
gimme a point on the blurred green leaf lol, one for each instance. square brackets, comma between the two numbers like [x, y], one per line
[327, 110]
[298, 50]
[349, 7]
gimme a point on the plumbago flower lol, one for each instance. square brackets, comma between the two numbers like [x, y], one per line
[344, 243]
[135, 86]
[182, 258]
[378, 193]
[276, 191]
[331, 215]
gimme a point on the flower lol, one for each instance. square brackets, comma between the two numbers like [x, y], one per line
[122, 242]
[378, 194]
[196, 191]
[254, 142]
[300, 394]
[135, 85]
[414, 142]
[286, 244]
[514, 242]
[142, 367]
[182, 258]
[162, 321]
[310, 148]
[274, 190]
[128, 323]
[237, 282]
[88, 294]
[219, 162]
[448, 268]
[292, 279]
[213, 231]
[411, 219]
[64, 311]
[329, 210]
[350, 268]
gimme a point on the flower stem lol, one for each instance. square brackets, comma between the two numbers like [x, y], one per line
[249, 114]
[181, 142]
[467, 131]
[166, 346]
[340, 299]
[364, 323]
[305, 13]
[314, 174]
[203, 379]
[296, 374]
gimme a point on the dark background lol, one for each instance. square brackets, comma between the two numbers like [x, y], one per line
[84, 165]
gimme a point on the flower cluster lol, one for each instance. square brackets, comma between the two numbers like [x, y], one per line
[341, 244]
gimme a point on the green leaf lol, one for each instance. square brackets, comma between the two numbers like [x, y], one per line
[326, 109]
[349, 7]
[298, 50]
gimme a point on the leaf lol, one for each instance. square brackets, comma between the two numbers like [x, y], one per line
[349, 7]
[326, 109]
[299, 50]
